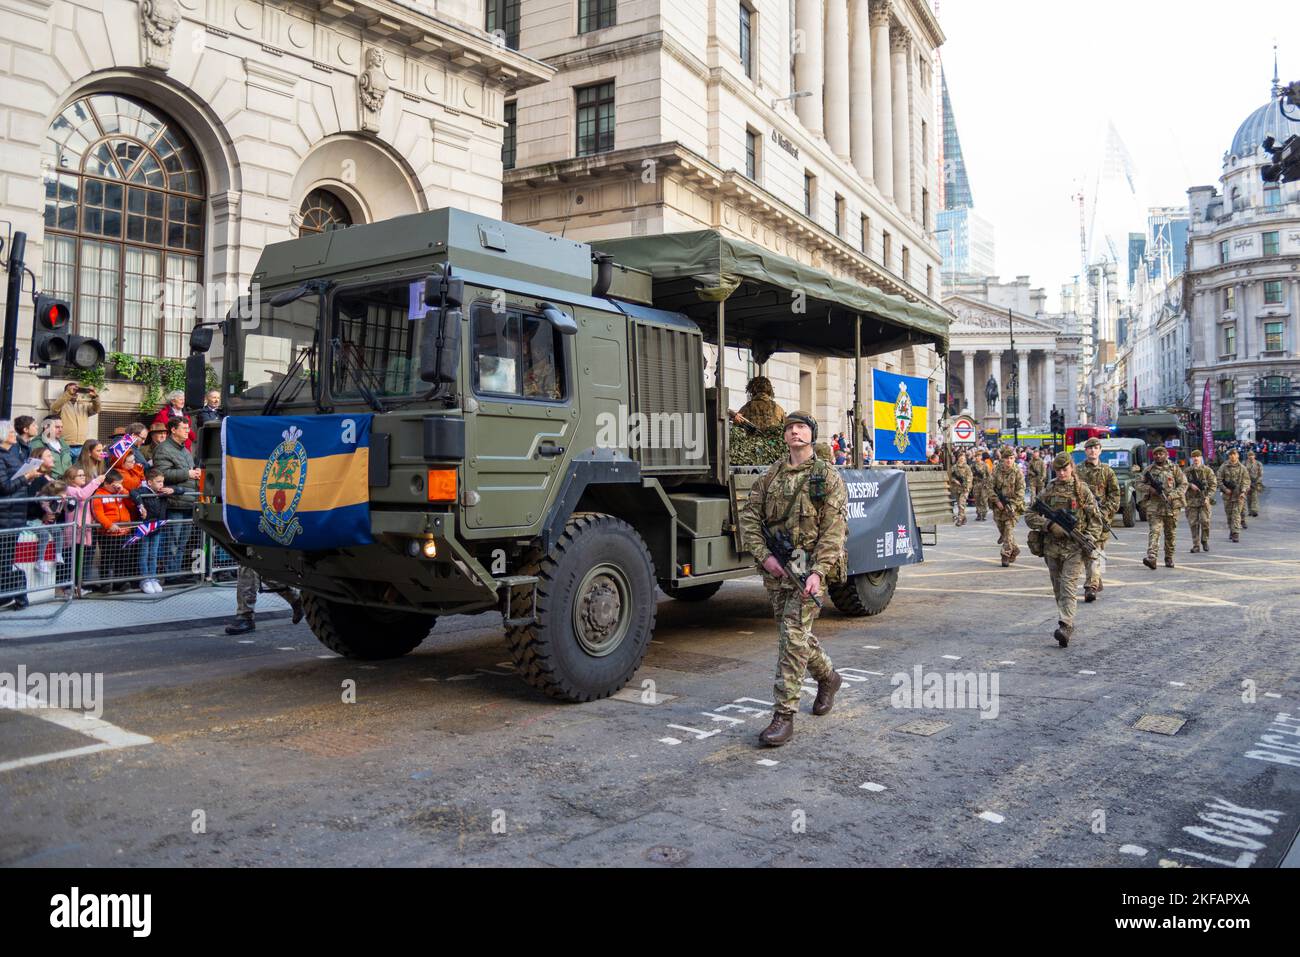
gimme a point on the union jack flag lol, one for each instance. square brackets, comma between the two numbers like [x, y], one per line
[144, 529]
[120, 448]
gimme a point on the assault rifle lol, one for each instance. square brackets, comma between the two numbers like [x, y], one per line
[1067, 522]
[1231, 487]
[1159, 487]
[781, 545]
[1003, 499]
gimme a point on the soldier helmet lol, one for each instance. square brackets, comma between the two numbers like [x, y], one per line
[800, 417]
[1062, 461]
[1092, 443]
[760, 385]
[1250, 454]
[1007, 452]
[1160, 450]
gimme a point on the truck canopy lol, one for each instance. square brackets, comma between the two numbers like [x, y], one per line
[693, 271]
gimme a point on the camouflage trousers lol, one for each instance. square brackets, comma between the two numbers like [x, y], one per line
[1234, 508]
[1161, 524]
[1007, 531]
[1065, 566]
[247, 586]
[959, 502]
[981, 503]
[1094, 565]
[1253, 499]
[798, 651]
[1198, 520]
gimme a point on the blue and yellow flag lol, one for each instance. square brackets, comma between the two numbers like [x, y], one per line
[899, 416]
[297, 481]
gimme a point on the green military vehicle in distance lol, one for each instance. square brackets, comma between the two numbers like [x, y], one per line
[541, 441]
[1129, 458]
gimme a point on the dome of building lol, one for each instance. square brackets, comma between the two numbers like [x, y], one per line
[1266, 121]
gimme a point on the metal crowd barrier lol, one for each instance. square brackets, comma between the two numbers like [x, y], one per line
[57, 555]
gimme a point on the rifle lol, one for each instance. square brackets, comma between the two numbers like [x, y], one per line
[1067, 522]
[781, 545]
[1231, 487]
[1003, 499]
[1159, 487]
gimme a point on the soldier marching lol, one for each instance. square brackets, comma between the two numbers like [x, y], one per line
[1162, 490]
[1007, 484]
[980, 486]
[1102, 482]
[959, 485]
[1256, 472]
[1063, 552]
[1036, 471]
[1234, 483]
[1201, 486]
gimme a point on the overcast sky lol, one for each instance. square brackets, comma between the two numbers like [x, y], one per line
[1034, 84]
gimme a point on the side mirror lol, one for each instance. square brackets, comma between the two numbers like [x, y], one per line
[443, 289]
[560, 319]
[200, 339]
[440, 347]
[196, 381]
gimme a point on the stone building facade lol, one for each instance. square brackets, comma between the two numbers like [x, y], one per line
[1243, 289]
[807, 127]
[151, 148]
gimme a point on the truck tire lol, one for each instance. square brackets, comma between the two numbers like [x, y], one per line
[1130, 514]
[595, 611]
[695, 592]
[364, 633]
[866, 594]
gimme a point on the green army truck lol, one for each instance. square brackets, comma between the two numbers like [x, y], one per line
[542, 443]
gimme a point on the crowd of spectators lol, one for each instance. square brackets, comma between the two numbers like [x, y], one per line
[119, 507]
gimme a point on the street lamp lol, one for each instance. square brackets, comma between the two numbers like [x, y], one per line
[793, 96]
[1013, 383]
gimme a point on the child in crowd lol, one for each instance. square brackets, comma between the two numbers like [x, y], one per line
[132, 471]
[150, 502]
[79, 490]
[115, 516]
[54, 518]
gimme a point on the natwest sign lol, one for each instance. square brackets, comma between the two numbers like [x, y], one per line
[785, 144]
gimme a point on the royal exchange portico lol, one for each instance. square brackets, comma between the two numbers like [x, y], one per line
[1045, 363]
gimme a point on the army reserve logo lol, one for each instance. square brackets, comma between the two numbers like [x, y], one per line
[283, 480]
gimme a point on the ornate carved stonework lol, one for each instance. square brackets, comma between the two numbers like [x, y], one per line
[158, 20]
[900, 41]
[372, 87]
[880, 12]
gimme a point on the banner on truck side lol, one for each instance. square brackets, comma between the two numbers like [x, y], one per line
[297, 481]
[882, 527]
[899, 416]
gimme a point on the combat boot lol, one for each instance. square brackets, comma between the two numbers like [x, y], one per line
[826, 693]
[240, 626]
[1205, 546]
[1000, 537]
[1089, 594]
[1150, 562]
[1254, 514]
[1006, 561]
[1243, 523]
[779, 731]
[1063, 633]
[1195, 549]
[1169, 563]
[1015, 553]
[1234, 537]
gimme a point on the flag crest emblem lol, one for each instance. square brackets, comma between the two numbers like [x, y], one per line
[283, 480]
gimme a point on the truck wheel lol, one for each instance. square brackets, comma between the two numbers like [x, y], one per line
[595, 611]
[365, 633]
[695, 592]
[1130, 514]
[867, 594]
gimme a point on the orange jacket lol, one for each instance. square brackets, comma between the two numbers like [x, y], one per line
[132, 476]
[109, 508]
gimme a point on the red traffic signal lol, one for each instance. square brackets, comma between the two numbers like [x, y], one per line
[53, 314]
[52, 339]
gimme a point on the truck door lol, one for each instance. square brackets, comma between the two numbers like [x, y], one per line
[520, 374]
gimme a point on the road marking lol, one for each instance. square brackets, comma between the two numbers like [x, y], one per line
[1134, 849]
[426, 679]
[1013, 592]
[327, 656]
[872, 647]
[767, 762]
[109, 736]
[462, 677]
[871, 786]
[1180, 604]
[991, 816]
[952, 657]
[1271, 694]
[1087, 672]
[246, 641]
[669, 741]
[286, 649]
[1178, 684]
[1006, 662]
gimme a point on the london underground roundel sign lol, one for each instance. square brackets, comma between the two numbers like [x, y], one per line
[963, 430]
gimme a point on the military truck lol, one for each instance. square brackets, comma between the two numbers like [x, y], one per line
[502, 371]
[1128, 458]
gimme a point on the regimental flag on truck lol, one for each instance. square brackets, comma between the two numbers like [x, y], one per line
[298, 482]
[900, 416]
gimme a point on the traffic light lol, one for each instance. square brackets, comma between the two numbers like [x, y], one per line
[53, 342]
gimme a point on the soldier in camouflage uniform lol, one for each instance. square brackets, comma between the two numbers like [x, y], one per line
[1162, 510]
[1256, 472]
[1199, 500]
[1234, 482]
[761, 410]
[806, 497]
[1063, 555]
[1101, 481]
[1037, 473]
[247, 585]
[959, 484]
[1010, 484]
[980, 487]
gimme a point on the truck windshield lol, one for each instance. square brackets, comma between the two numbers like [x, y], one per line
[272, 343]
[376, 334]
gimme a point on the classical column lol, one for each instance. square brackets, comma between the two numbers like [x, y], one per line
[900, 44]
[1050, 379]
[882, 123]
[970, 380]
[1022, 391]
[860, 88]
[809, 71]
[837, 77]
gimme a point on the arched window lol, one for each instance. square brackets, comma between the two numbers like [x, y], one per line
[124, 220]
[322, 210]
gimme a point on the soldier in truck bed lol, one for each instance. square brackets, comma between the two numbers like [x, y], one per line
[761, 410]
[803, 495]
